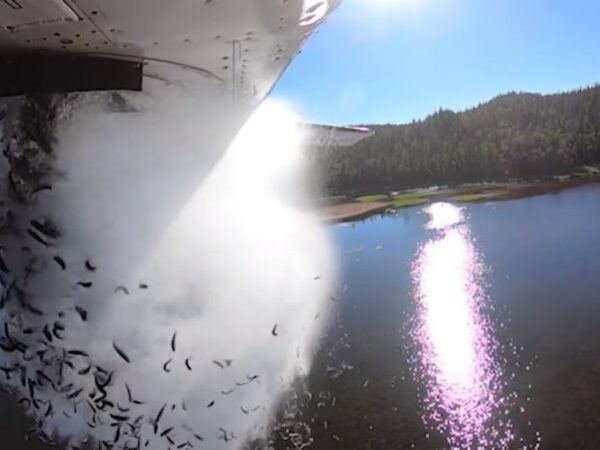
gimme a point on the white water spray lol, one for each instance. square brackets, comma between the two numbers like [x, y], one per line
[238, 267]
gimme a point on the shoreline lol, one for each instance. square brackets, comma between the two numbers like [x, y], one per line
[364, 207]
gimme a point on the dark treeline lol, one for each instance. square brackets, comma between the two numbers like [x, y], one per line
[516, 135]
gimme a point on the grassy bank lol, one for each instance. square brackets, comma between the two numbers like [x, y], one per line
[366, 205]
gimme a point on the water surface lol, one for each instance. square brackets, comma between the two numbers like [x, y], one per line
[460, 327]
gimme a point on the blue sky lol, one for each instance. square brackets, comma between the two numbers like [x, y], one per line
[391, 61]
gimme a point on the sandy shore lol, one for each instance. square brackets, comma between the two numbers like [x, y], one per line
[351, 211]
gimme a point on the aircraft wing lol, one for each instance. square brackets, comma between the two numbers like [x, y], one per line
[335, 136]
[242, 46]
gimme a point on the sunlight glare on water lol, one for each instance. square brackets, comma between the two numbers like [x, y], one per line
[442, 215]
[453, 337]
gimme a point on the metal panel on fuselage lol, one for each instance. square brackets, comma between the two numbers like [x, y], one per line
[244, 45]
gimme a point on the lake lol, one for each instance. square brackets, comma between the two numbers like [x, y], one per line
[463, 326]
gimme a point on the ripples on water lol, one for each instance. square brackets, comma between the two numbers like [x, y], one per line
[456, 357]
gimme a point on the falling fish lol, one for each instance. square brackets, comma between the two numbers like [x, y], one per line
[173, 341]
[3, 265]
[43, 187]
[82, 313]
[37, 237]
[121, 353]
[60, 262]
[122, 289]
[47, 229]
[167, 431]
[159, 415]
[218, 363]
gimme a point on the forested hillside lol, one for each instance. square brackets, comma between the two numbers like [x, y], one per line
[513, 135]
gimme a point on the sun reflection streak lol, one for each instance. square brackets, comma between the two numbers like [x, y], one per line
[456, 349]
